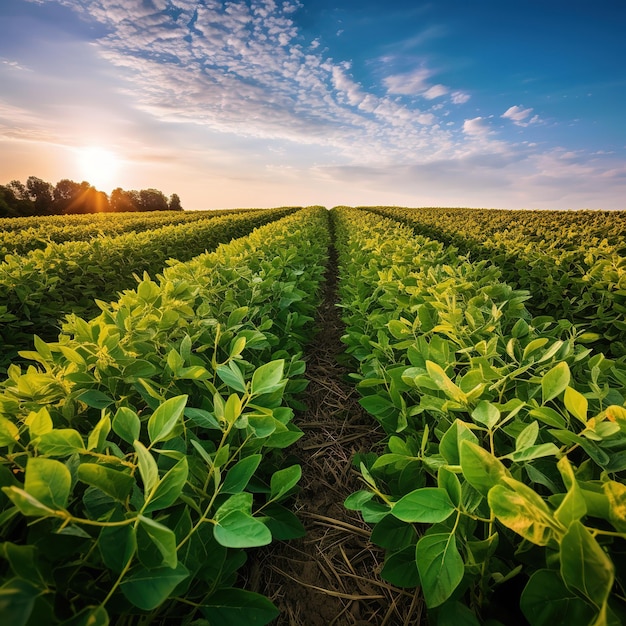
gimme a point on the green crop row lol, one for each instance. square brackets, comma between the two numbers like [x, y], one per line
[573, 263]
[142, 453]
[37, 289]
[501, 488]
[36, 233]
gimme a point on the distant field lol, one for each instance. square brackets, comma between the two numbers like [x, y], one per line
[160, 397]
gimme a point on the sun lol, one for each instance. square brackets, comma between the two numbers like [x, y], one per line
[98, 166]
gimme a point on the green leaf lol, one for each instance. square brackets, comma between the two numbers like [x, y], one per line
[547, 601]
[533, 452]
[480, 468]
[585, 566]
[126, 424]
[486, 414]
[165, 418]
[169, 488]
[27, 504]
[238, 529]
[393, 534]
[17, 599]
[95, 398]
[234, 607]
[9, 432]
[450, 443]
[98, 435]
[284, 480]
[268, 378]
[89, 616]
[527, 437]
[449, 482]
[240, 474]
[39, 423]
[400, 568]
[426, 505]
[115, 483]
[232, 376]
[232, 408]
[162, 537]
[437, 373]
[117, 545]
[616, 494]
[48, 481]
[453, 613]
[60, 442]
[555, 381]
[524, 514]
[147, 467]
[283, 524]
[576, 404]
[148, 588]
[440, 567]
[22, 560]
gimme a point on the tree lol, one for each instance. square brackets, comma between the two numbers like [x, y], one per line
[152, 200]
[40, 193]
[175, 204]
[12, 204]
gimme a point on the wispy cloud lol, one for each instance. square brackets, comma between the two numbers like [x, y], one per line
[520, 116]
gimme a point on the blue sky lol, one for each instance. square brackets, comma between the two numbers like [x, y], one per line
[280, 102]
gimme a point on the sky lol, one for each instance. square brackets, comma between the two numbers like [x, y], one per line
[264, 103]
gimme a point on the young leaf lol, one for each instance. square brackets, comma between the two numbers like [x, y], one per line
[268, 377]
[486, 414]
[147, 467]
[440, 567]
[126, 424]
[576, 404]
[240, 474]
[240, 530]
[437, 373]
[165, 418]
[169, 488]
[555, 381]
[232, 376]
[284, 480]
[39, 423]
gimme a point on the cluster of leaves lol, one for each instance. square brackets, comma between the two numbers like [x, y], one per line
[142, 453]
[37, 289]
[573, 263]
[23, 234]
[502, 483]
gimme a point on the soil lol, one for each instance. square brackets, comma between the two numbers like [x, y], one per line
[330, 577]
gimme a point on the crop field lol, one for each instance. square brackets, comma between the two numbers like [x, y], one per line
[304, 417]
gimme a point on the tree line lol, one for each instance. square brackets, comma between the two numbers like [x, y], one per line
[38, 197]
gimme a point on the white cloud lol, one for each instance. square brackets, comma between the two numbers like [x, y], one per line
[458, 97]
[476, 127]
[519, 116]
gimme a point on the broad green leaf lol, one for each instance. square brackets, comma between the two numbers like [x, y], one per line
[572, 507]
[117, 545]
[17, 599]
[27, 504]
[232, 376]
[163, 538]
[39, 423]
[22, 560]
[232, 408]
[126, 424]
[426, 505]
[60, 442]
[240, 474]
[393, 534]
[486, 414]
[533, 452]
[48, 481]
[234, 607]
[169, 488]
[555, 381]
[165, 418]
[576, 404]
[400, 568]
[533, 345]
[283, 524]
[356, 500]
[527, 437]
[115, 483]
[240, 530]
[449, 482]
[440, 567]
[454, 613]
[528, 517]
[547, 601]
[96, 399]
[437, 373]
[480, 468]
[98, 435]
[147, 467]
[284, 480]
[585, 566]
[268, 377]
[450, 444]
[148, 588]
[9, 432]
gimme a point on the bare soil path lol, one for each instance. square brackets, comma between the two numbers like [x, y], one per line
[331, 576]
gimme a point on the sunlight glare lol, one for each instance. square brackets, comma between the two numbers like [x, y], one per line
[98, 166]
